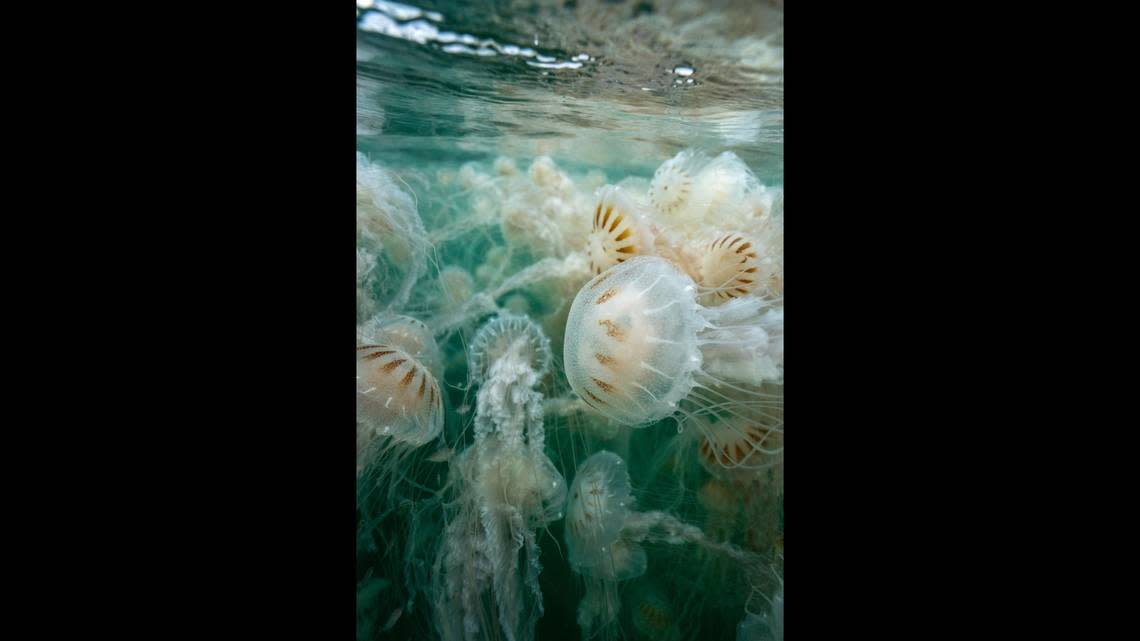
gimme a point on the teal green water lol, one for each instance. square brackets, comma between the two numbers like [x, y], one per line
[484, 132]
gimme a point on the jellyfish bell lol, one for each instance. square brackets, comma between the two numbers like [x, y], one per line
[721, 189]
[397, 401]
[505, 166]
[651, 613]
[406, 333]
[730, 268]
[638, 344]
[509, 334]
[597, 506]
[672, 184]
[620, 230]
[736, 448]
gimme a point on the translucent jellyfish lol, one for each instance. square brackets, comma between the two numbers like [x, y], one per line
[398, 407]
[651, 613]
[638, 344]
[548, 178]
[672, 183]
[734, 447]
[389, 228]
[604, 535]
[720, 191]
[504, 488]
[693, 192]
[456, 287]
[597, 507]
[620, 232]
[505, 166]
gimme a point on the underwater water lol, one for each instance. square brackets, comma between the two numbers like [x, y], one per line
[570, 320]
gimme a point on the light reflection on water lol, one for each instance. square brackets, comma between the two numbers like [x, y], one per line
[601, 84]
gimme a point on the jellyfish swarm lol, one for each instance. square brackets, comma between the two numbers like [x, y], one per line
[638, 344]
[504, 488]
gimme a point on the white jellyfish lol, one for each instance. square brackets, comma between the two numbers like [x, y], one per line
[672, 184]
[730, 268]
[398, 408]
[597, 507]
[638, 344]
[693, 192]
[504, 487]
[621, 230]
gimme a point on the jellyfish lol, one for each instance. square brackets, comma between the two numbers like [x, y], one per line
[736, 448]
[638, 344]
[620, 232]
[505, 166]
[672, 183]
[389, 228]
[730, 268]
[651, 613]
[604, 534]
[399, 408]
[406, 333]
[504, 488]
[599, 503]
[597, 506]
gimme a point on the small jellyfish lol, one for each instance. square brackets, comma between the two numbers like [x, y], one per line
[723, 505]
[672, 183]
[730, 268]
[651, 613]
[505, 166]
[734, 447]
[398, 404]
[456, 287]
[638, 345]
[720, 190]
[548, 178]
[597, 506]
[621, 231]
[604, 535]
[390, 229]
